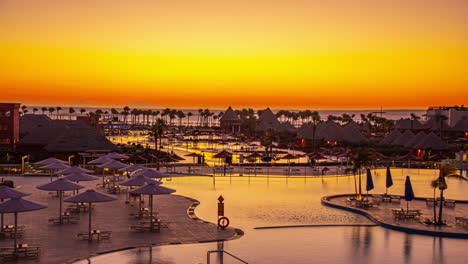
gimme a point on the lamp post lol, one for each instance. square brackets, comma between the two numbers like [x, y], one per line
[69, 159]
[22, 163]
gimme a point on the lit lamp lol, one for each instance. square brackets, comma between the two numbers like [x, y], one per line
[22, 163]
[69, 159]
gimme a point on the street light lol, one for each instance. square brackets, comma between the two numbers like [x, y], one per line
[69, 159]
[22, 163]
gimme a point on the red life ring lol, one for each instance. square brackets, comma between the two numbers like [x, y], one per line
[223, 222]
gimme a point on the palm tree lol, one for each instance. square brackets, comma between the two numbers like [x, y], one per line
[414, 117]
[35, 110]
[51, 110]
[58, 111]
[114, 113]
[154, 114]
[440, 118]
[157, 130]
[435, 185]
[200, 114]
[315, 120]
[189, 114]
[43, 109]
[125, 113]
[82, 111]
[444, 171]
[362, 158]
[71, 111]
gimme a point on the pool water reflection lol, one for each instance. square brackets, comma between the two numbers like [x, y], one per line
[296, 201]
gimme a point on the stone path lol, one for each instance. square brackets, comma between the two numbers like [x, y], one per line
[60, 244]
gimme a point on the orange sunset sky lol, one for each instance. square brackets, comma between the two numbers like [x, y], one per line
[334, 54]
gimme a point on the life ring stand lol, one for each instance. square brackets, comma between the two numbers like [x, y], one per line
[223, 222]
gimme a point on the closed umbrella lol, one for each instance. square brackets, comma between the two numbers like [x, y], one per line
[18, 205]
[369, 182]
[409, 194]
[60, 185]
[90, 197]
[50, 161]
[74, 169]
[152, 189]
[388, 180]
[8, 193]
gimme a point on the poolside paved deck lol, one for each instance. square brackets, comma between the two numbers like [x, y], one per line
[383, 213]
[60, 243]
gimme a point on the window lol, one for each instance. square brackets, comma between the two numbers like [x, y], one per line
[4, 141]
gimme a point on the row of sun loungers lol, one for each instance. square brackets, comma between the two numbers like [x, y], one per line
[21, 250]
[447, 202]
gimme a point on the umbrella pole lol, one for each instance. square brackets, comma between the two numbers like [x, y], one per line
[60, 206]
[16, 231]
[90, 238]
[139, 205]
[1, 227]
[407, 205]
[151, 212]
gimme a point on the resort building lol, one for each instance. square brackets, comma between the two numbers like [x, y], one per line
[44, 137]
[230, 122]
[453, 113]
[9, 125]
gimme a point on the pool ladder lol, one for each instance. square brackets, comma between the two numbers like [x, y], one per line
[208, 254]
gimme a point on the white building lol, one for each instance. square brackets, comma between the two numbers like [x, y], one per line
[453, 113]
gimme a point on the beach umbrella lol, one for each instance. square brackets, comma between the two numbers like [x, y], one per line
[74, 169]
[388, 181]
[194, 155]
[177, 157]
[139, 181]
[8, 193]
[18, 205]
[255, 155]
[60, 185]
[152, 189]
[369, 181]
[133, 168]
[54, 166]
[289, 157]
[100, 160]
[50, 161]
[135, 158]
[222, 155]
[90, 197]
[409, 194]
[115, 155]
[150, 173]
[114, 165]
[80, 176]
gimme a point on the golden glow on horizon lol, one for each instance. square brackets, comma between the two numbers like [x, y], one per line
[257, 53]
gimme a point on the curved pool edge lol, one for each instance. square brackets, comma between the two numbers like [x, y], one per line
[326, 200]
[190, 213]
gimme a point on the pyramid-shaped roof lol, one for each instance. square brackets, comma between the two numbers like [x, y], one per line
[432, 141]
[390, 137]
[416, 139]
[405, 137]
[353, 134]
[267, 120]
[229, 115]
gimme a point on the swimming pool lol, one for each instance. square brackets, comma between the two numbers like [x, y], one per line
[296, 201]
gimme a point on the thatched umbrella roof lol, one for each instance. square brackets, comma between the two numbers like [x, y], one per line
[432, 141]
[390, 137]
[416, 139]
[405, 137]
[229, 115]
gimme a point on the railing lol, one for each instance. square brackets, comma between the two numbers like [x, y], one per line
[208, 261]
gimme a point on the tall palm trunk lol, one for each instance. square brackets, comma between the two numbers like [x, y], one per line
[435, 210]
[441, 206]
